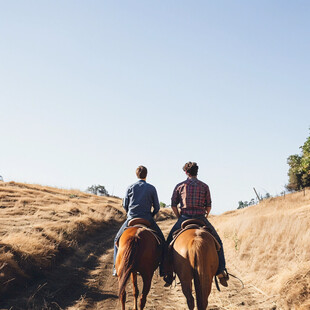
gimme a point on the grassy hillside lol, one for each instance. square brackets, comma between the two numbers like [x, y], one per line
[39, 225]
[270, 245]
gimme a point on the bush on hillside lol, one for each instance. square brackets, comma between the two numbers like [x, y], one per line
[299, 172]
[99, 190]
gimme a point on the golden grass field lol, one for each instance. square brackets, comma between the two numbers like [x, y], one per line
[38, 224]
[269, 243]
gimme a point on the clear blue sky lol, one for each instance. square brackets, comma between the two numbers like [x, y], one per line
[89, 90]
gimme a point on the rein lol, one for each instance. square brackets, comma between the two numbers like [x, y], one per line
[217, 284]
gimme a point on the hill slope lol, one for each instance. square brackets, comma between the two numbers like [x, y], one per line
[62, 242]
[270, 245]
[38, 225]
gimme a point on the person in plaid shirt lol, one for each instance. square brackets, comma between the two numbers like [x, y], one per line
[193, 197]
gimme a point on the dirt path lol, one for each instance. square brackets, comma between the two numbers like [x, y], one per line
[84, 281]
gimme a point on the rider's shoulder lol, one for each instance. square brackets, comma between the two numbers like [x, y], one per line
[203, 184]
[181, 184]
[150, 186]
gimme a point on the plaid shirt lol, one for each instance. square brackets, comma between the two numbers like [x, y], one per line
[193, 196]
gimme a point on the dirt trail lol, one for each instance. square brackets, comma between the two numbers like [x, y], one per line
[84, 281]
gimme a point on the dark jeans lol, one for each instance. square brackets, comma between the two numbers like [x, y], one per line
[153, 226]
[183, 218]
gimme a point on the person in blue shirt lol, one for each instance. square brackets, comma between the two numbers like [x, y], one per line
[141, 201]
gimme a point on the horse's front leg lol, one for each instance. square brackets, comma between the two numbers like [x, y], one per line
[135, 289]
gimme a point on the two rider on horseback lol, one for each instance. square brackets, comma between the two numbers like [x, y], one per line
[194, 199]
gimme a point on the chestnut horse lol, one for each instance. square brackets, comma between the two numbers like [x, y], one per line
[195, 257]
[138, 251]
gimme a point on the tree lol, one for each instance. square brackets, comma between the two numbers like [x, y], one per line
[162, 205]
[244, 204]
[98, 190]
[267, 196]
[252, 202]
[241, 205]
[299, 171]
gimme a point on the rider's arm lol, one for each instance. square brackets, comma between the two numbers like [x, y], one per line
[175, 200]
[155, 203]
[126, 202]
[208, 211]
[176, 211]
[208, 201]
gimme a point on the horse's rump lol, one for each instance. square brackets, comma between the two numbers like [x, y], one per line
[195, 257]
[138, 251]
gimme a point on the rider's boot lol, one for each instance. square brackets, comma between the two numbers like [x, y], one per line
[223, 277]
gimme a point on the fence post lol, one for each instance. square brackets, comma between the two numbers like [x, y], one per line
[256, 194]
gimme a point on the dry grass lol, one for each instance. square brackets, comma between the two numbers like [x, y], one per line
[38, 224]
[270, 245]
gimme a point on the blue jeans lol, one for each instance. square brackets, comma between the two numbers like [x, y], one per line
[153, 226]
[212, 230]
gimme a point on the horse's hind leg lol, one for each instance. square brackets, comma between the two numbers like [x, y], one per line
[147, 279]
[187, 291]
[184, 272]
[122, 298]
[135, 289]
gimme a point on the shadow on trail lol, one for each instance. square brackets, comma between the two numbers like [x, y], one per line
[65, 284]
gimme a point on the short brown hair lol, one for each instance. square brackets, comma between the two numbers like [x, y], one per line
[191, 168]
[141, 172]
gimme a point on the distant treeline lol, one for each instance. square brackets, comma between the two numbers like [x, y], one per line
[299, 174]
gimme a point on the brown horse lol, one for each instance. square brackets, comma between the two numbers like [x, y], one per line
[195, 257]
[138, 251]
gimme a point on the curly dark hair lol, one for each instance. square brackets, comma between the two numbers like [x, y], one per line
[191, 168]
[141, 172]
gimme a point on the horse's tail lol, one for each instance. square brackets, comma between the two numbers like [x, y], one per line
[127, 262]
[198, 261]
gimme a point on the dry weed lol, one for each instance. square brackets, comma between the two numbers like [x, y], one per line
[37, 223]
[270, 242]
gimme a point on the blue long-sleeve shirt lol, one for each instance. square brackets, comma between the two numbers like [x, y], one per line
[139, 200]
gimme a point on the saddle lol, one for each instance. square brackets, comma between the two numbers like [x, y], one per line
[145, 225]
[192, 224]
